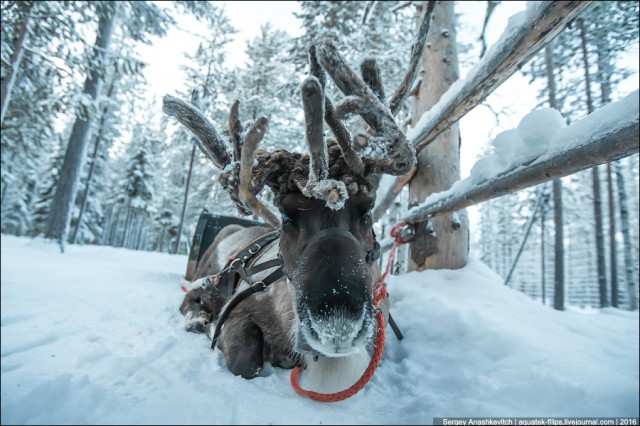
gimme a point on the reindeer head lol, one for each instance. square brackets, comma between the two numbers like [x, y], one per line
[327, 245]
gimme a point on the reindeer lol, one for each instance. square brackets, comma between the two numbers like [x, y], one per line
[318, 312]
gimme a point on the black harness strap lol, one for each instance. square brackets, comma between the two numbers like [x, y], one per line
[227, 279]
[264, 265]
[254, 287]
[234, 270]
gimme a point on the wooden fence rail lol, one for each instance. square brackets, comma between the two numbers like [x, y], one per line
[542, 24]
[600, 149]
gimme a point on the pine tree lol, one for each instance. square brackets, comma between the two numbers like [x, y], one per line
[38, 93]
[142, 20]
[20, 33]
[601, 35]
[266, 86]
[209, 77]
[138, 186]
[64, 197]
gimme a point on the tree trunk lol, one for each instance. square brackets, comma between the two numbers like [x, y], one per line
[600, 255]
[107, 226]
[558, 299]
[94, 155]
[595, 176]
[161, 241]
[543, 212]
[604, 79]
[85, 195]
[624, 227]
[9, 80]
[126, 225]
[114, 222]
[113, 227]
[184, 202]
[139, 233]
[131, 232]
[61, 206]
[7, 183]
[613, 255]
[439, 162]
[3, 198]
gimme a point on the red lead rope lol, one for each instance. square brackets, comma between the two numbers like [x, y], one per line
[355, 388]
[379, 293]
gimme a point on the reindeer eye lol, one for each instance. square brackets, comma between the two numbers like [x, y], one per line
[366, 218]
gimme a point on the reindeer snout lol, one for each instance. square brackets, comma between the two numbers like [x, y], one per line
[334, 335]
[335, 293]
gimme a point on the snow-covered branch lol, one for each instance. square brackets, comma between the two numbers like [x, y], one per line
[539, 150]
[527, 32]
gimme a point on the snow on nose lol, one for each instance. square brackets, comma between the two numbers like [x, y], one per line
[337, 334]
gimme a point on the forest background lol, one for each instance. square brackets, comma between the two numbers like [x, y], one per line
[60, 86]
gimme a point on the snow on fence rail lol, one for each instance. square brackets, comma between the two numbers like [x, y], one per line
[527, 32]
[540, 151]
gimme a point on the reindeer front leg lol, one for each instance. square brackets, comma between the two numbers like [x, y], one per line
[242, 344]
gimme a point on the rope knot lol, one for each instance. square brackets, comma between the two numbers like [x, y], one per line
[395, 232]
[379, 293]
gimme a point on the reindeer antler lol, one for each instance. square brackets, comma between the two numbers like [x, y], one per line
[387, 149]
[211, 143]
[340, 132]
[207, 136]
[382, 149]
[246, 193]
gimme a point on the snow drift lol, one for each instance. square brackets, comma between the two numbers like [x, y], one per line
[95, 336]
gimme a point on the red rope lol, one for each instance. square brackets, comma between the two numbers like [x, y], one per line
[395, 233]
[355, 388]
[379, 293]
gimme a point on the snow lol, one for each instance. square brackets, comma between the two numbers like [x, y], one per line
[538, 128]
[531, 138]
[334, 192]
[95, 336]
[600, 122]
[541, 135]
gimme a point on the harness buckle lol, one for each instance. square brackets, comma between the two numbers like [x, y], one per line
[233, 264]
[258, 286]
[210, 280]
[256, 248]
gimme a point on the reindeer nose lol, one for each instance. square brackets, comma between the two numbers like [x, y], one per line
[338, 277]
[337, 331]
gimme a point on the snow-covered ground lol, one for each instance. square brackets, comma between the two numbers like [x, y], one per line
[95, 336]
